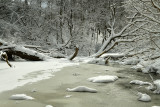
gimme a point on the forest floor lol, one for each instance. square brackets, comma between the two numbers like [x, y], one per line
[53, 91]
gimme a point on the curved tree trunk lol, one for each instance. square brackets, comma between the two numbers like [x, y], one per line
[74, 54]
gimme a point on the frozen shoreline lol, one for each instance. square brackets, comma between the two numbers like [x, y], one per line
[25, 72]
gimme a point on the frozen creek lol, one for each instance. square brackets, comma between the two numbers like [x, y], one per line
[53, 91]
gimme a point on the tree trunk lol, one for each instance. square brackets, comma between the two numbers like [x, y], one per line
[74, 54]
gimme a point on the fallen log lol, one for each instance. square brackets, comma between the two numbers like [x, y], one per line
[21, 51]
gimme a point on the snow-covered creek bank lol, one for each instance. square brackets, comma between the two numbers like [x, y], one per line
[119, 93]
[24, 72]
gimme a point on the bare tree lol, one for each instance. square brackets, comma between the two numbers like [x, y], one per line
[124, 35]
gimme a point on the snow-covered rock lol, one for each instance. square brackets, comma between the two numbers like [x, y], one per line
[68, 96]
[131, 61]
[150, 87]
[155, 106]
[157, 84]
[144, 97]
[138, 67]
[103, 79]
[99, 61]
[138, 82]
[21, 97]
[150, 69]
[49, 106]
[82, 89]
[56, 54]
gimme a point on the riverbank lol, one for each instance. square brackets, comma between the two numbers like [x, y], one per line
[53, 91]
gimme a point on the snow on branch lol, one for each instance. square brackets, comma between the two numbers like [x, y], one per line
[127, 26]
[155, 5]
[134, 30]
[147, 16]
[116, 43]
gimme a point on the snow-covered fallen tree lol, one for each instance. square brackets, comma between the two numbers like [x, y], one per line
[21, 51]
[82, 89]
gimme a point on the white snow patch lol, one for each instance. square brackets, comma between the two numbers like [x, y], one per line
[113, 55]
[138, 82]
[144, 97]
[21, 97]
[29, 71]
[82, 89]
[137, 66]
[157, 84]
[103, 79]
[132, 61]
[68, 96]
[155, 106]
[49, 106]
[100, 61]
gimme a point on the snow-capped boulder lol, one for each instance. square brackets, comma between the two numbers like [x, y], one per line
[99, 61]
[131, 61]
[138, 82]
[103, 79]
[49, 106]
[21, 97]
[157, 84]
[82, 89]
[144, 97]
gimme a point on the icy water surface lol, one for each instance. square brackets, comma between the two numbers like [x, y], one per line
[53, 91]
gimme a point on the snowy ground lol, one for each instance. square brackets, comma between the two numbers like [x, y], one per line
[27, 72]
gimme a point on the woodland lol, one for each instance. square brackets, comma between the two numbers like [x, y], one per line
[102, 32]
